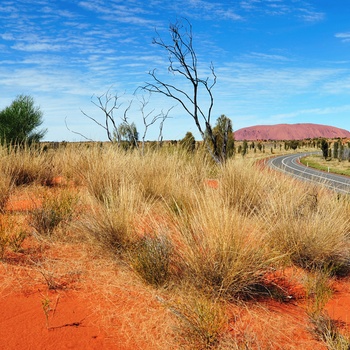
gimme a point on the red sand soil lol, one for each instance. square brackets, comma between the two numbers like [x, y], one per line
[97, 304]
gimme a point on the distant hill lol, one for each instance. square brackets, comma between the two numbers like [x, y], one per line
[289, 132]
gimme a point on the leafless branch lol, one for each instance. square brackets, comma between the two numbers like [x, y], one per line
[183, 62]
[75, 132]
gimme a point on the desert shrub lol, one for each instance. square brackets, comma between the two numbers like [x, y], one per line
[218, 249]
[308, 225]
[201, 321]
[6, 186]
[27, 165]
[55, 211]
[150, 258]
[19, 122]
[11, 236]
[243, 186]
[326, 330]
[113, 218]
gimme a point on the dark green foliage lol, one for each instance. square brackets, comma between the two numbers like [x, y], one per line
[244, 148]
[19, 122]
[335, 150]
[294, 144]
[127, 135]
[324, 148]
[341, 151]
[223, 134]
[188, 143]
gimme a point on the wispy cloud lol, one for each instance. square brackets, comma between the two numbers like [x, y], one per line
[345, 36]
[325, 111]
[298, 8]
[268, 57]
[64, 51]
[37, 47]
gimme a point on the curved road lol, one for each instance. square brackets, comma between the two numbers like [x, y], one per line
[290, 164]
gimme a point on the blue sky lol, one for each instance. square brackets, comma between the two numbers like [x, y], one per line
[276, 61]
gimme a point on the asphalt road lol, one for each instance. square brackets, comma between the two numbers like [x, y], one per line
[289, 164]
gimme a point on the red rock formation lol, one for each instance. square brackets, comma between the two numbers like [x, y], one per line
[289, 132]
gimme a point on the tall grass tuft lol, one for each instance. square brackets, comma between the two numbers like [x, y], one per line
[27, 165]
[150, 258]
[54, 212]
[326, 330]
[219, 250]
[6, 187]
[103, 169]
[243, 185]
[309, 225]
[113, 220]
[201, 320]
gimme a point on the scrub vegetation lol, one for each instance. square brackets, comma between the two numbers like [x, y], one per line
[203, 236]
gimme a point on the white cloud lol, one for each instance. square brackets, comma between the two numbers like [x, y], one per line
[44, 47]
[268, 57]
[345, 36]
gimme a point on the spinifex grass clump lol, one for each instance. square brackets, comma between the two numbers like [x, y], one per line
[326, 330]
[243, 185]
[103, 169]
[6, 186]
[150, 258]
[27, 165]
[55, 211]
[218, 249]
[113, 219]
[168, 176]
[309, 225]
[202, 320]
[11, 236]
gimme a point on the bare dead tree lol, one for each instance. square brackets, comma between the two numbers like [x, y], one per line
[161, 124]
[149, 118]
[183, 61]
[108, 103]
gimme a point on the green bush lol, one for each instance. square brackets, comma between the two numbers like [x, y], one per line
[19, 122]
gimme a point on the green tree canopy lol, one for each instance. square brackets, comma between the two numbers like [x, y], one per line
[188, 143]
[324, 148]
[19, 122]
[127, 135]
[223, 133]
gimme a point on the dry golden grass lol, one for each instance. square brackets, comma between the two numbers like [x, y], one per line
[308, 224]
[27, 165]
[218, 249]
[6, 187]
[152, 225]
